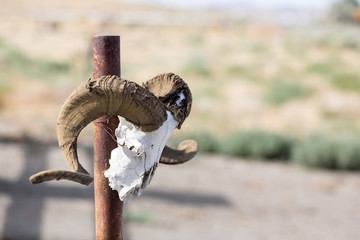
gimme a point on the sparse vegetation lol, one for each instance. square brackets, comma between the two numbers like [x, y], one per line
[280, 92]
[257, 144]
[318, 151]
[330, 153]
[322, 68]
[245, 73]
[207, 142]
[337, 74]
[14, 61]
[343, 10]
[4, 88]
[346, 81]
[236, 70]
[248, 144]
[197, 66]
[195, 39]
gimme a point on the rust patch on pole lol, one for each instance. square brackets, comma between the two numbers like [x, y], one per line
[108, 207]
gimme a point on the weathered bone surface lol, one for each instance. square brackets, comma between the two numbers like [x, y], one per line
[111, 95]
[133, 163]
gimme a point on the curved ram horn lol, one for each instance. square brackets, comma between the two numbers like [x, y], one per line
[49, 175]
[109, 95]
[186, 150]
[176, 96]
[174, 93]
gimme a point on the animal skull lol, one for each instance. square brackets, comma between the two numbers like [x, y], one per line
[148, 116]
[134, 161]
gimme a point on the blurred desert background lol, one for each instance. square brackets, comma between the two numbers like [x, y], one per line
[276, 112]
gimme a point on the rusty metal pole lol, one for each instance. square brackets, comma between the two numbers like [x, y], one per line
[108, 207]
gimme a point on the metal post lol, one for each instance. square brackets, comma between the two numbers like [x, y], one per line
[108, 207]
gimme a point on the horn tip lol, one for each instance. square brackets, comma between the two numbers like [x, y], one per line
[189, 146]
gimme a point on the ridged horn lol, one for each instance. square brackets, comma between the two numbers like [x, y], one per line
[109, 95]
[168, 87]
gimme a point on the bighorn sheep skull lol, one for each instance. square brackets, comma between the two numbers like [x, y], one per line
[148, 115]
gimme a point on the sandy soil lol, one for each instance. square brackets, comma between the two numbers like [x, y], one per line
[211, 197]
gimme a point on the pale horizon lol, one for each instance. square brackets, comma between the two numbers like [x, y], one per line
[270, 4]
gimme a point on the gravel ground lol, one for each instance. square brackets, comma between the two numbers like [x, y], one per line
[211, 197]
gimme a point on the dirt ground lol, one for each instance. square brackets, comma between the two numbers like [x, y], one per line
[211, 197]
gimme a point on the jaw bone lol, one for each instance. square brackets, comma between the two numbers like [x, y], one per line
[133, 162]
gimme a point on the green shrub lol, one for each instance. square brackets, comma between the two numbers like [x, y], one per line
[13, 60]
[259, 47]
[315, 151]
[237, 70]
[236, 145]
[346, 81]
[197, 65]
[350, 42]
[207, 142]
[257, 144]
[324, 68]
[319, 151]
[282, 91]
[195, 39]
[337, 74]
[343, 10]
[348, 154]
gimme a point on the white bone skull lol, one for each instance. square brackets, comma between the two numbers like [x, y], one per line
[133, 162]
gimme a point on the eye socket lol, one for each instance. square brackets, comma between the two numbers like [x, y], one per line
[180, 99]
